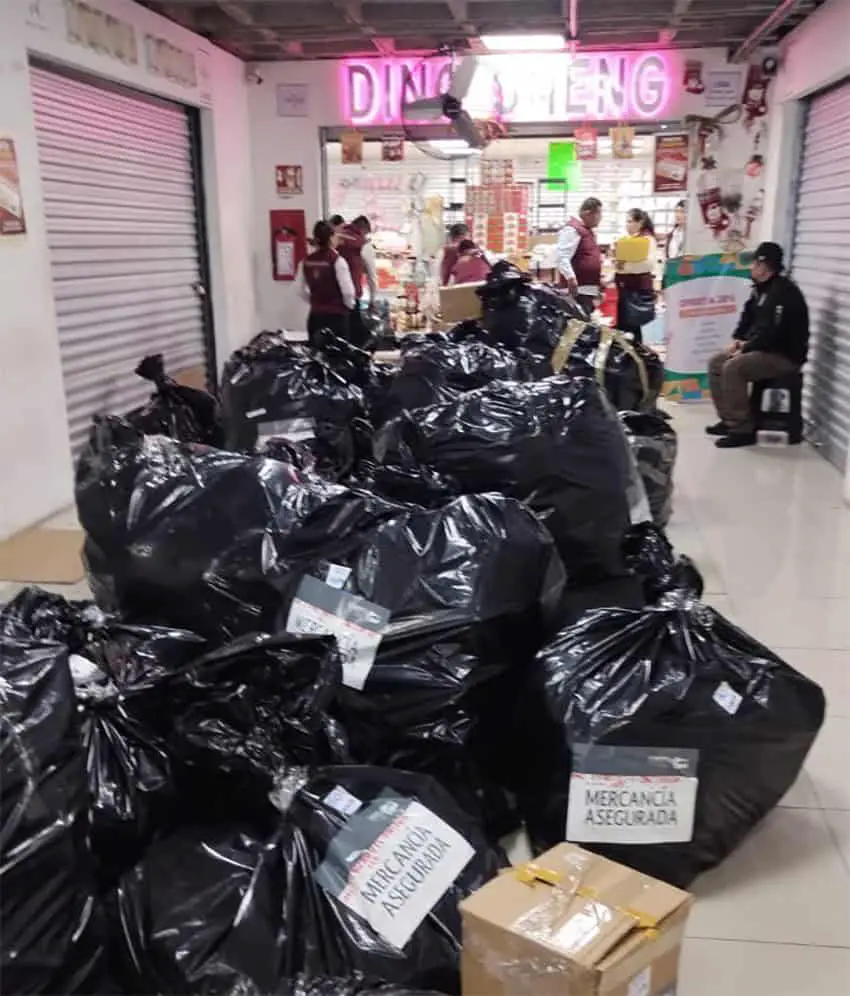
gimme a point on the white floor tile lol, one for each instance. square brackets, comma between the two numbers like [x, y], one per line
[802, 795]
[734, 968]
[828, 764]
[788, 621]
[839, 825]
[787, 884]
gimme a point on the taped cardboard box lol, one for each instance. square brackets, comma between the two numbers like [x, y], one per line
[573, 923]
[459, 302]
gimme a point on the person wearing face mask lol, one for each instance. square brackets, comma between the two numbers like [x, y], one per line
[771, 340]
[636, 259]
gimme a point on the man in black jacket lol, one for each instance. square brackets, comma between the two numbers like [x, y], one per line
[771, 340]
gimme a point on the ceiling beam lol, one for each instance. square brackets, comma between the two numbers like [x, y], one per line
[667, 35]
[772, 23]
[571, 20]
[242, 15]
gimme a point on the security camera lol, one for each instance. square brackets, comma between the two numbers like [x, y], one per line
[254, 76]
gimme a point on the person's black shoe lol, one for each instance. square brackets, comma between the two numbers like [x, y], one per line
[718, 429]
[735, 440]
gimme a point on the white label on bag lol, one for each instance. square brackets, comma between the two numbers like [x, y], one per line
[632, 795]
[255, 413]
[358, 625]
[297, 430]
[338, 574]
[727, 698]
[83, 670]
[342, 801]
[392, 863]
[641, 984]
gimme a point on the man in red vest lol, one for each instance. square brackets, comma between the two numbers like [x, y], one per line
[579, 255]
[354, 247]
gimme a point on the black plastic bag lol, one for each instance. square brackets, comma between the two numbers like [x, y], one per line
[272, 388]
[51, 930]
[651, 558]
[555, 444]
[351, 986]
[654, 445]
[521, 313]
[119, 676]
[212, 911]
[246, 711]
[673, 734]
[632, 374]
[174, 410]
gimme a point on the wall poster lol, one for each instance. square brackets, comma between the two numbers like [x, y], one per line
[670, 175]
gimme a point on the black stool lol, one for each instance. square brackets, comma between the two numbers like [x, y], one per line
[786, 418]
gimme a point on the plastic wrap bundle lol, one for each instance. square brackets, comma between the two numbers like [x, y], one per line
[632, 374]
[119, 674]
[183, 413]
[272, 388]
[673, 734]
[519, 312]
[555, 444]
[363, 875]
[654, 445]
[50, 931]
[650, 557]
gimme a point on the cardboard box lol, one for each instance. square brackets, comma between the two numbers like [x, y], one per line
[573, 924]
[460, 302]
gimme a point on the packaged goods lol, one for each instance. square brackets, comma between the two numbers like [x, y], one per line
[272, 388]
[573, 923]
[362, 875]
[632, 374]
[51, 930]
[555, 444]
[650, 557]
[654, 445]
[183, 413]
[672, 734]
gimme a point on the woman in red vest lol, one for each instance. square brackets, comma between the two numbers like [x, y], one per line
[457, 233]
[356, 249]
[471, 266]
[324, 279]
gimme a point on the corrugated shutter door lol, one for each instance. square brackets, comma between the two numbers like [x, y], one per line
[822, 268]
[116, 171]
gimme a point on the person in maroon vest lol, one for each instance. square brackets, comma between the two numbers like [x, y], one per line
[457, 234]
[579, 255]
[355, 248]
[471, 265]
[324, 279]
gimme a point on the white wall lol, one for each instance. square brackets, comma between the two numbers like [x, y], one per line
[34, 456]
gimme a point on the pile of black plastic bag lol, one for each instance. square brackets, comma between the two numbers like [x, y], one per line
[348, 631]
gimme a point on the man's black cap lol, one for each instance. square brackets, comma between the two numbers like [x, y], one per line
[770, 253]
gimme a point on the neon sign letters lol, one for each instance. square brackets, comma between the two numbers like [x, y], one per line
[595, 86]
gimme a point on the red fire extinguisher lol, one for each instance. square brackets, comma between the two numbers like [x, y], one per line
[288, 242]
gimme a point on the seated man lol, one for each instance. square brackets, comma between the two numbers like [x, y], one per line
[771, 340]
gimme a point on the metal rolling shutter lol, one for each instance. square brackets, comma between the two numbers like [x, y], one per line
[821, 267]
[116, 171]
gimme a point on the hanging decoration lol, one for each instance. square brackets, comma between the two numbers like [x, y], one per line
[755, 96]
[351, 147]
[622, 141]
[587, 143]
[12, 221]
[392, 148]
[693, 82]
[670, 175]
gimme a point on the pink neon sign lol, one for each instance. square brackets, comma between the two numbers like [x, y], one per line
[536, 88]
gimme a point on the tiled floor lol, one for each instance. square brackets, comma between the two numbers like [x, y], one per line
[772, 538]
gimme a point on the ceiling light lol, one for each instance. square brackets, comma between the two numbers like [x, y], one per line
[524, 43]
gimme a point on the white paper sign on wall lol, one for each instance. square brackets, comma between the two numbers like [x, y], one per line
[293, 100]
